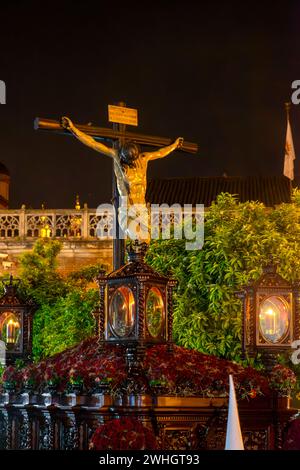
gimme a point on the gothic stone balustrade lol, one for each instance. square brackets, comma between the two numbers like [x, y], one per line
[85, 224]
[55, 223]
[86, 234]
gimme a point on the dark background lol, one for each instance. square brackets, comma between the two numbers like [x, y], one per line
[217, 73]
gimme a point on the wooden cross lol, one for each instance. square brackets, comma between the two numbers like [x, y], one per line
[106, 134]
[115, 136]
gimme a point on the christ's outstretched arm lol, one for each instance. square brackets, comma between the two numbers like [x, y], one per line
[87, 139]
[122, 183]
[163, 152]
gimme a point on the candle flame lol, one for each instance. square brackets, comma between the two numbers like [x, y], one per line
[270, 311]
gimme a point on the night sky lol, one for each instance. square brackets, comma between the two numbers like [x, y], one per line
[216, 73]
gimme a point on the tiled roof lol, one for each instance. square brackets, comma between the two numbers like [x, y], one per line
[271, 190]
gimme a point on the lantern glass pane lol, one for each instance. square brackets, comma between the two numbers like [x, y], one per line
[154, 311]
[11, 331]
[122, 311]
[274, 319]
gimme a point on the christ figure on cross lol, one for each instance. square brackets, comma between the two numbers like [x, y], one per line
[130, 168]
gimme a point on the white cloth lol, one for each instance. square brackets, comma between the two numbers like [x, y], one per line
[134, 221]
[234, 439]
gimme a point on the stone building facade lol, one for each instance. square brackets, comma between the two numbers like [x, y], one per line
[75, 228]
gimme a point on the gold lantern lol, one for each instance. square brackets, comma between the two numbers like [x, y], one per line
[15, 322]
[136, 305]
[270, 315]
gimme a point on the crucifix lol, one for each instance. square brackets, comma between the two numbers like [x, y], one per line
[129, 162]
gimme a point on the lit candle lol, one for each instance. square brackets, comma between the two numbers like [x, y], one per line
[10, 331]
[271, 321]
